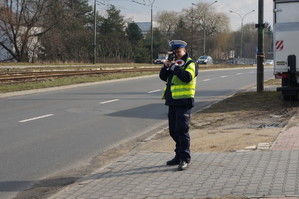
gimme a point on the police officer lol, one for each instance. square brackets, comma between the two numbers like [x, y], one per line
[180, 75]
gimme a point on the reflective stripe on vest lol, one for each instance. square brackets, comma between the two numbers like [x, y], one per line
[183, 91]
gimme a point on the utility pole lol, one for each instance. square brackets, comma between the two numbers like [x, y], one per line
[95, 33]
[260, 53]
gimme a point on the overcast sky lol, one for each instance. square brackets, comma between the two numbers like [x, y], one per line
[141, 13]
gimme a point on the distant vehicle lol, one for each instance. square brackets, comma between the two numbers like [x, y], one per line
[205, 60]
[269, 62]
[160, 60]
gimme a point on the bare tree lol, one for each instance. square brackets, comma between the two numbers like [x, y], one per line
[21, 24]
[167, 23]
[197, 18]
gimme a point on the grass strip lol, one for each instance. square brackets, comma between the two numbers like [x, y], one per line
[54, 82]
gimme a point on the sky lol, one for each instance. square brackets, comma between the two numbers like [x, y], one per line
[141, 13]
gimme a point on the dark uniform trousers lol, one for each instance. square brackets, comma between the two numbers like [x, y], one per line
[179, 118]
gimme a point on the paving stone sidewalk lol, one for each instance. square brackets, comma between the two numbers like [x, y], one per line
[272, 173]
[288, 140]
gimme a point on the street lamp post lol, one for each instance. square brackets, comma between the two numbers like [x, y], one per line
[151, 4]
[242, 19]
[95, 33]
[152, 32]
[204, 27]
[192, 29]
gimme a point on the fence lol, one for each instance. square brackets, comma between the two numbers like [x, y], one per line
[242, 61]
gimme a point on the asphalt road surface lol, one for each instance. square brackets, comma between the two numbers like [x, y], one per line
[51, 131]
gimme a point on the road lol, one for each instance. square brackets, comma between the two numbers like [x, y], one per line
[51, 131]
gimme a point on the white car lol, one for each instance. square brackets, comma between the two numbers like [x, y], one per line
[205, 60]
[160, 60]
[269, 62]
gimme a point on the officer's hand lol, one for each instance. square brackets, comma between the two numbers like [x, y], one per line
[168, 63]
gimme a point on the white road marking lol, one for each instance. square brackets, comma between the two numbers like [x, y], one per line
[223, 76]
[36, 118]
[239, 74]
[154, 91]
[109, 101]
[205, 80]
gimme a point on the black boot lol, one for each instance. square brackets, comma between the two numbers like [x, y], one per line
[174, 161]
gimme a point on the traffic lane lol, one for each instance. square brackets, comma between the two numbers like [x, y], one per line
[213, 86]
[76, 131]
[56, 147]
[78, 108]
[38, 131]
[32, 131]
[228, 73]
[42, 102]
[80, 100]
[99, 92]
[234, 79]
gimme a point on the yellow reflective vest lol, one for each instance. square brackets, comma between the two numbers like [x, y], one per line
[180, 89]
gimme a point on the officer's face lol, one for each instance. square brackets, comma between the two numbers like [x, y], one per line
[179, 53]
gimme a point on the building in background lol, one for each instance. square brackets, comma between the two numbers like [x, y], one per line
[33, 47]
[145, 27]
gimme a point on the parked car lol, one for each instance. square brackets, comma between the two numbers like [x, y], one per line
[160, 60]
[269, 62]
[205, 60]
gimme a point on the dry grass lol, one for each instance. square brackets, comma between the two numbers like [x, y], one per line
[233, 124]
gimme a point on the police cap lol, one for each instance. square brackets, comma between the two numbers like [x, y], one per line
[177, 44]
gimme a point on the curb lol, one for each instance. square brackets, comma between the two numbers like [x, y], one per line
[285, 128]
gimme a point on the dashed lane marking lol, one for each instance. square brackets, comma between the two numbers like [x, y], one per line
[154, 91]
[36, 118]
[109, 101]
